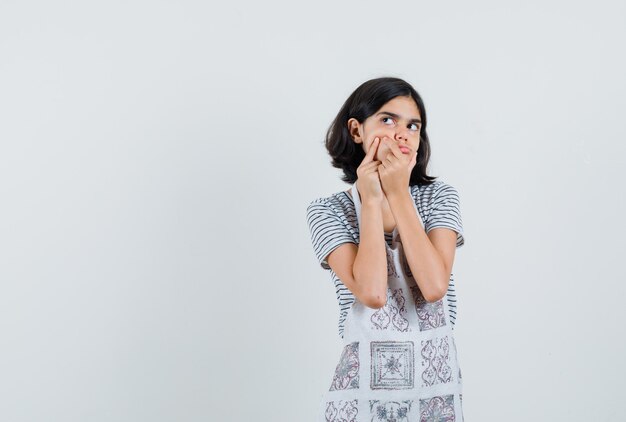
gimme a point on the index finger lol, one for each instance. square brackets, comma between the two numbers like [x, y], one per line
[372, 151]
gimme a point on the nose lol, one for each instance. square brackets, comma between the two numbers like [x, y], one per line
[402, 136]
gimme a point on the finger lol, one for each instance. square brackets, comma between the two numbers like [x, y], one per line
[372, 151]
[390, 158]
[397, 152]
[388, 163]
[370, 167]
[370, 164]
[395, 149]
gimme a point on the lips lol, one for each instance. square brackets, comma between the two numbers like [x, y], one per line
[404, 150]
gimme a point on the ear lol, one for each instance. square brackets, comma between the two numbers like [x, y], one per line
[354, 127]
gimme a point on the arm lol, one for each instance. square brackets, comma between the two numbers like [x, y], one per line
[363, 268]
[370, 265]
[430, 256]
[336, 249]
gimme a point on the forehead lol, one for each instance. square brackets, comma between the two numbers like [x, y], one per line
[405, 107]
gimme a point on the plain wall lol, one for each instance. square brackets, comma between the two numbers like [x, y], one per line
[157, 159]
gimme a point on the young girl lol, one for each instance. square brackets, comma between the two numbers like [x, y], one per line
[389, 242]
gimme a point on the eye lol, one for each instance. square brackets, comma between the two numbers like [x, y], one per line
[412, 124]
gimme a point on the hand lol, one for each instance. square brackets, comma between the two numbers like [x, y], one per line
[368, 183]
[395, 170]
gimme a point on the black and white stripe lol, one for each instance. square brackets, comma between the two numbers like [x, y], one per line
[332, 222]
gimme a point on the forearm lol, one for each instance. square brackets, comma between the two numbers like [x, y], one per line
[427, 265]
[370, 263]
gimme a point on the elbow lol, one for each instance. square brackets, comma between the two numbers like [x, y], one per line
[434, 296]
[432, 299]
[373, 295]
[438, 292]
[375, 300]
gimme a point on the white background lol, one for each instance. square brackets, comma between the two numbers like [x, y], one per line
[157, 159]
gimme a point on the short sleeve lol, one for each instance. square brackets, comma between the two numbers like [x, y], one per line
[446, 212]
[327, 230]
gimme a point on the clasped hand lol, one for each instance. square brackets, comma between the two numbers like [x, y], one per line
[395, 170]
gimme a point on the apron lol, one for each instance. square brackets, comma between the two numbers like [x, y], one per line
[399, 362]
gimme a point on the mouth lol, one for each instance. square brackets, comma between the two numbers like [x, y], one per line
[405, 150]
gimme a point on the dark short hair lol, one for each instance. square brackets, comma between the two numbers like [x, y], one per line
[368, 98]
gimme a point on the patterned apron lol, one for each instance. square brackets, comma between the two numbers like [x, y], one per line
[399, 362]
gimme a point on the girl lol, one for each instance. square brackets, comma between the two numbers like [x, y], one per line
[389, 242]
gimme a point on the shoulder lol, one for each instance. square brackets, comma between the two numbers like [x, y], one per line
[439, 190]
[338, 204]
[441, 205]
[330, 224]
[437, 200]
[336, 212]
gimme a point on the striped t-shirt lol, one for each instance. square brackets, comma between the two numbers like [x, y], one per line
[332, 222]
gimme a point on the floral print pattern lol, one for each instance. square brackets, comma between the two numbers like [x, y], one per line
[429, 315]
[347, 371]
[391, 265]
[391, 365]
[437, 409]
[393, 314]
[390, 411]
[436, 360]
[341, 411]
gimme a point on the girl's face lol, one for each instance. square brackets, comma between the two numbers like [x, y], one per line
[398, 119]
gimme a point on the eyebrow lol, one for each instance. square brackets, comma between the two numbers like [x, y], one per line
[394, 115]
